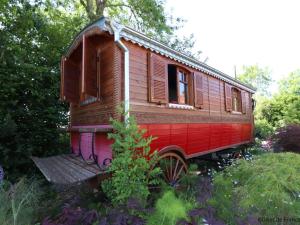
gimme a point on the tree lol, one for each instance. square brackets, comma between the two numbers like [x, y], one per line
[283, 108]
[147, 16]
[259, 78]
[33, 36]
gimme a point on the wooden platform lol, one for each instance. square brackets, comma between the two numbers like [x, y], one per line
[67, 169]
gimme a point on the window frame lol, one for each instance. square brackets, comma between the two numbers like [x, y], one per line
[188, 84]
[87, 99]
[185, 83]
[236, 100]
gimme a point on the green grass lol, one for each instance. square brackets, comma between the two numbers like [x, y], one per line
[268, 186]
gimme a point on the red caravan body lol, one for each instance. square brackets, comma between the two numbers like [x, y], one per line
[216, 113]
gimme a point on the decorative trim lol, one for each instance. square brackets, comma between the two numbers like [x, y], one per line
[138, 38]
[120, 31]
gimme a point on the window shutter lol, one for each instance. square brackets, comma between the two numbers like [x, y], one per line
[228, 98]
[198, 89]
[89, 68]
[158, 79]
[243, 93]
[69, 81]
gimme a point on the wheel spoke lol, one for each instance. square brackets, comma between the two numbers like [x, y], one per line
[172, 167]
[177, 163]
[177, 176]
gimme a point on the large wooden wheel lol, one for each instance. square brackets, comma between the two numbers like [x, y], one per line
[173, 167]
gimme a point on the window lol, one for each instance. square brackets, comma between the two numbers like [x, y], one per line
[177, 85]
[236, 100]
[81, 74]
[183, 87]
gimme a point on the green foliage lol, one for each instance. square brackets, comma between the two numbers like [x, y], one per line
[263, 129]
[284, 107]
[168, 210]
[18, 202]
[147, 16]
[259, 78]
[33, 36]
[268, 186]
[133, 164]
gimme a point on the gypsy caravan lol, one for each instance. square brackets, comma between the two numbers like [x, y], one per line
[192, 108]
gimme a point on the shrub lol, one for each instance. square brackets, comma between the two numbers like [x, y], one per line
[267, 187]
[169, 209]
[133, 164]
[287, 139]
[263, 129]
[18, 202]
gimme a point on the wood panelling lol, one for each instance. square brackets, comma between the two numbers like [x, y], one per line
[99, 112]
[213, 108]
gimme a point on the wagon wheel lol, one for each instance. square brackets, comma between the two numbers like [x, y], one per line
[173, 167]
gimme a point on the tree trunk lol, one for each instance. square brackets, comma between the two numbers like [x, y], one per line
[100, 6]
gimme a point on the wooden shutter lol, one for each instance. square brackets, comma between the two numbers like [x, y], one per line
[158, 79]
[70, 81]
[89, 68]
[228, 97]
[243, 93]
[198, 89]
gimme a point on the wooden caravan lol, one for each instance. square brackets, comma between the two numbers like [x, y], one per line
[192, 108]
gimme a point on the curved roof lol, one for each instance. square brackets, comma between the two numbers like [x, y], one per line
[120, 31]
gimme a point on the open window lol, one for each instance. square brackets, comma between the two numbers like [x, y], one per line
[178, 85]
[80, 74]
[235, 99]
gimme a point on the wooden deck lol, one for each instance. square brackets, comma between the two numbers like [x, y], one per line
[67, 169]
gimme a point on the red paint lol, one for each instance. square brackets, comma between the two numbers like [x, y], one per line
[197, 138]
[86, 142]
[194, 138]
[74, 139]
[102, 147]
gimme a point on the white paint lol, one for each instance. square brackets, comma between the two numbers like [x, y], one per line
[126, 68]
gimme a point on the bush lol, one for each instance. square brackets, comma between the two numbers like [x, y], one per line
[267, 187]
[287, 139]
[263, 129]
[132, 167]
[18, 202]
[169, 209]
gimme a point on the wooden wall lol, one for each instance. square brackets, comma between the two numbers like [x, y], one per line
[110, 87]
[213, 109]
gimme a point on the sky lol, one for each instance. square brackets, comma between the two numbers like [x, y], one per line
[243, 32]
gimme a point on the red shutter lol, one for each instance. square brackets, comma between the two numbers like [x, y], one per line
[198, 88]
[70, 81]
[228, 97]
[158, 79]
[243, 93]
[89, 68]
